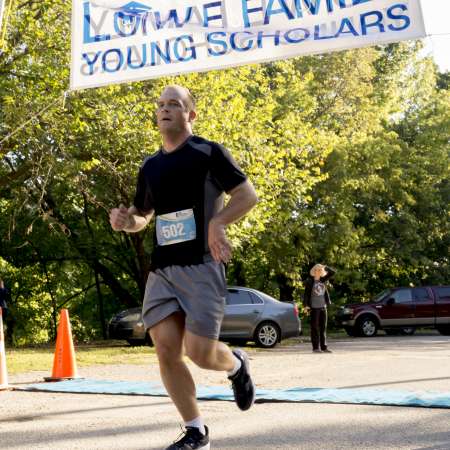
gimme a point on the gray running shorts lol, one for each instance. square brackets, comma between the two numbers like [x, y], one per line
[198, 291]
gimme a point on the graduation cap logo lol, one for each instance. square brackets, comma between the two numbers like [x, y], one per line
[135, 8]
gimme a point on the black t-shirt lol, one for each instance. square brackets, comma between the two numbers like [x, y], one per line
[186, 189]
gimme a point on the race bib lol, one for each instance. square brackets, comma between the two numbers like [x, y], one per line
[176, 227]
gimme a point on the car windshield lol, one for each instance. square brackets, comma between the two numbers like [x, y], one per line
[381, 295]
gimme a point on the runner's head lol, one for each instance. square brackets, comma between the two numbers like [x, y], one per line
[175, 111]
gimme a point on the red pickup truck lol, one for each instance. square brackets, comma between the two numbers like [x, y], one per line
[401, 309]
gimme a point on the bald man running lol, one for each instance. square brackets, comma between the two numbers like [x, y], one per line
[183, 186]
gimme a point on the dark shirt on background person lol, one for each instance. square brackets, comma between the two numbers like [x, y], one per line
[309, 285]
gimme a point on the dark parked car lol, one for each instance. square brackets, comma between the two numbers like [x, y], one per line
[250, 315]
[401, 309]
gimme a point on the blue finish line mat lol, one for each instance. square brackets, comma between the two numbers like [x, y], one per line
[298, 394]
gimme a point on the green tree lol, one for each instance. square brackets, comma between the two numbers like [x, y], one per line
[348, 153]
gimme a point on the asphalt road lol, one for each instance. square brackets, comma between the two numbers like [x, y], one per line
[30, 420]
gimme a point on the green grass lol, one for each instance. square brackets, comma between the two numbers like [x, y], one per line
[20, 360]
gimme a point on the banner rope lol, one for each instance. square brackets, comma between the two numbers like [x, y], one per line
[438, 34]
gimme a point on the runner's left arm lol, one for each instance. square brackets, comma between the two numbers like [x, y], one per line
[243, 199]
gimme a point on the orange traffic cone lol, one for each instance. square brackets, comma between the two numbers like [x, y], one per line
[3, 372]
[64, 363]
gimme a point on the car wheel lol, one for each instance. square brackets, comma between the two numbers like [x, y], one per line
[408, 331]
[444, 330]
[267, 335]
[367, 326]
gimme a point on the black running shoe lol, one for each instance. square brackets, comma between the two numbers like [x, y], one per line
[192, 440]
[242, 384]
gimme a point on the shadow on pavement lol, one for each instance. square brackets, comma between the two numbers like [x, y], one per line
[31, 417]
[394, 382]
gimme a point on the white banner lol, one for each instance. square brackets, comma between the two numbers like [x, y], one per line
[118, 41]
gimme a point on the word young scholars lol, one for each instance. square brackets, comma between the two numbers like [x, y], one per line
[185, 47]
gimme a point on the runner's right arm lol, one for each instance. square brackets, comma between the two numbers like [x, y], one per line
[129, 219]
